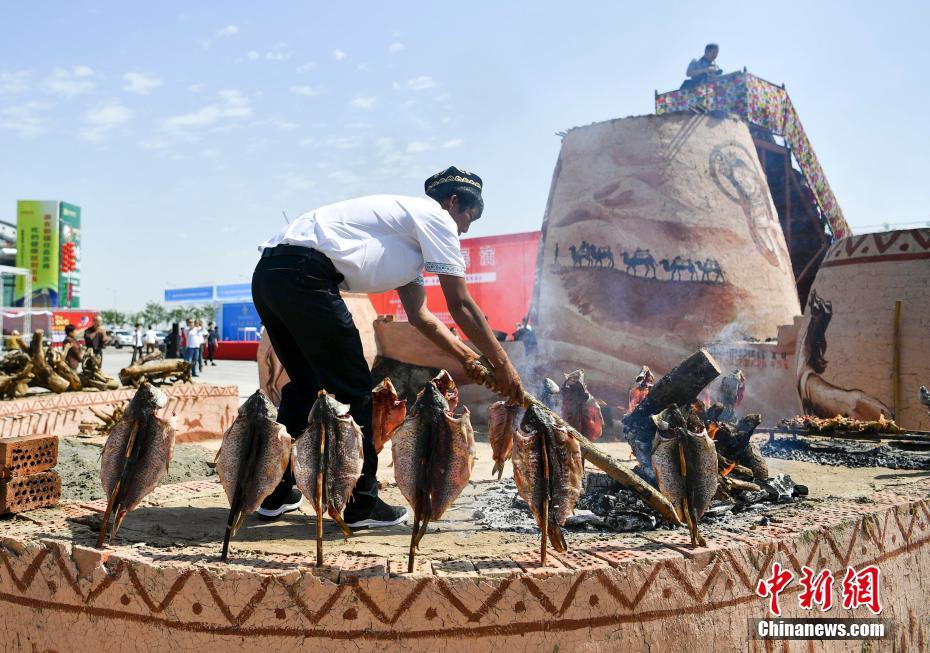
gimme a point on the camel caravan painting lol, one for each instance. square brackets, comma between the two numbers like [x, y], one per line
[678, 268]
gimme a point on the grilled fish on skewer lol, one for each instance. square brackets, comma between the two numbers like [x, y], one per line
[328, 461]
[447, 387]
[502, 423]
[700, 470]
[388, 412]
[136, 455]
[433, 455]
[251, 461]
[548, 471]
[579, 408]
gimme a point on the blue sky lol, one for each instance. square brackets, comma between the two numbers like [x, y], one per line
[183, 130]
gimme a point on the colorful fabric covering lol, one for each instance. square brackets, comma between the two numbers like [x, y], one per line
[768, 106]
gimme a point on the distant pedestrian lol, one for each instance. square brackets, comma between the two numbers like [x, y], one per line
[138, 342]
[15, 341]
[95, 338]
[71, 348]
[151, 339]
[191, 350]
[173, 342]
[213, 339]
[200, 338]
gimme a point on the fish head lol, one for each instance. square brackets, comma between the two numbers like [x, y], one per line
[327, 408]
[257, 406]
[447, 387]
[431, 402]
[536, 420]
[147, 400]
[385, 388]
[551, 386]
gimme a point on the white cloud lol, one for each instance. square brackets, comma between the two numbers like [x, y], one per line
[417, 147]
[103, 119]
[24, 119]
[304, 67]
[307, 91]
[453, 142]
[394, 48]
[306, 142]
[253, 55]
[222, 33]
[68, 83]
[420, 83]
[363, 102]
[339, 55]
[140, 83]
[233, 104]
[344, 142]
[196, 88]
[14, 82]
[278, 52]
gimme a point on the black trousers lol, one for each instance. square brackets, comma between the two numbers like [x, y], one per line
[311, 329]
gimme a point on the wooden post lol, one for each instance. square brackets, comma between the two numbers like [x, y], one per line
[896, 364]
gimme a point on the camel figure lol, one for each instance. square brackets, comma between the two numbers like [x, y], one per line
[603, 256]
[677, 265]
[641, 257]
[710, 267]
[579, 257]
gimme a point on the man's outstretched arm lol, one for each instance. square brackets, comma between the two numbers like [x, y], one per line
[470, 319]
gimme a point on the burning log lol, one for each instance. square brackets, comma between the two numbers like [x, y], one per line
[482, 372]
[680, 386]
[733, 442]
[157, 372]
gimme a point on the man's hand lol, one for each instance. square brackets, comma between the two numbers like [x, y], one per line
[506, 380]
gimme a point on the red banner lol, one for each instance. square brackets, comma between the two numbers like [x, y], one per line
[80, 319]
[500, 272]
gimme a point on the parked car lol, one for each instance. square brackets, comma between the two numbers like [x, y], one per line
[121, 338]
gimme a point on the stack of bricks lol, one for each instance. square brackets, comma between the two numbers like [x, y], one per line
[27, 480]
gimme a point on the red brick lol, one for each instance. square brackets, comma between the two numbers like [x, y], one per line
[24, 493]
[27, 454]
[496, 567]
[530, 561]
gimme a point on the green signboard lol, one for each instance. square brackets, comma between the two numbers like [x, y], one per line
[37, 249]
[69, 283]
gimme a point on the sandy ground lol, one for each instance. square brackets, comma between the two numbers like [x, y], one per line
[193, 528]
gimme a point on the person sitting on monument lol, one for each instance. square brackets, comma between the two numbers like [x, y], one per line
[700, 71]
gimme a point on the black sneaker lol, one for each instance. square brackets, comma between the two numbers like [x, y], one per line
[366, 511]
[276, 505]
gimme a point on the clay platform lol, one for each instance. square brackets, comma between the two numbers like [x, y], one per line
[203, 411]
[161, 585]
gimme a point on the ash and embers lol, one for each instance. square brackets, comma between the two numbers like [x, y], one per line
[847, 453]
[607, 507]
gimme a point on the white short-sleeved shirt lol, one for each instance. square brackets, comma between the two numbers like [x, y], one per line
[379, 242]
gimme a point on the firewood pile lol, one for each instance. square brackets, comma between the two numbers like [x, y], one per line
[839, 425]
[41, 366]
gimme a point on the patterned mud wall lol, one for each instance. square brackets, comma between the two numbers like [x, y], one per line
[202, 411]
[853, 321]
[632, 593]
[660, 237]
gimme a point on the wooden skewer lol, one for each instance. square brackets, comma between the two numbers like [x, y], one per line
[545, 506]
[319, 497]
[111, 502]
